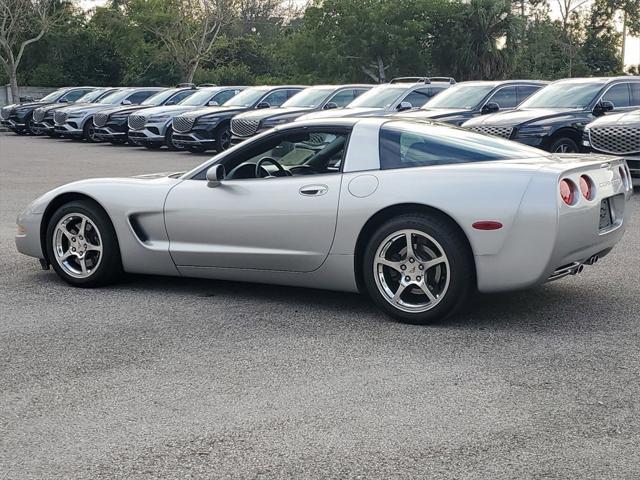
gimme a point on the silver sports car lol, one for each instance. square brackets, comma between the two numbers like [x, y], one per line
[418, 215]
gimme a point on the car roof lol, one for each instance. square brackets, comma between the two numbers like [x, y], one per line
[603, 80]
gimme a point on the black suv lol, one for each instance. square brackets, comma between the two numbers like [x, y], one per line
[209, 127]
[467, 100]
[43, 116]
[112, 125]
[321, 97]
[19, 117]
[553, 118]
[618, 134]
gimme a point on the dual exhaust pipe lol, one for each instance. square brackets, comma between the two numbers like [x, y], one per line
[574, 268]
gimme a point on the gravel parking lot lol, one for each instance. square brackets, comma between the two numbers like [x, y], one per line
[179, 378]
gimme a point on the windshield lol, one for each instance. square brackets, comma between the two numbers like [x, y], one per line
[465, 97]
[116, 97]
[246, 98]
[90, 97]
[199, 98]
[378, 97]
[159, 98]
[310, 97]
[53, 96]
[563, 95]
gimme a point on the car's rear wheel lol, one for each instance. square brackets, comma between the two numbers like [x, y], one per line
[168, 141]
[82, 246]
[89, 132]
[564, 145]
[418, 268]
[223, 138]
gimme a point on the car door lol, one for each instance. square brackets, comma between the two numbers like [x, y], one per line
[282, 223]
[505, 97]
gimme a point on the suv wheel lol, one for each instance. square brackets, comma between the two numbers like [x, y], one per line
[82, 245]
[223, 138]
[418, 268]
[89, 132]
[168, 141]
[564, 145]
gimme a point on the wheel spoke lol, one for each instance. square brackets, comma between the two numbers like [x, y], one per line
[398, 294]
[83, 265]
[433, 262]
[409, 240]
[390, 264]
[93, 248]
[423, 286]
[83, 225]
[66, 255]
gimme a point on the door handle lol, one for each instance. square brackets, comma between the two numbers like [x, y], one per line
[313, 190]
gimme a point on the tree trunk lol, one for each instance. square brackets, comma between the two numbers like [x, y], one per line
[13, 83]
[187, 76]
[381, 74]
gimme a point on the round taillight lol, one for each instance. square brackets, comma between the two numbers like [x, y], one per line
[566, 192]
[585, 186]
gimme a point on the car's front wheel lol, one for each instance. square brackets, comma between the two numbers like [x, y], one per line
[418, 268]
[168, 141]
[82, 245]
[89, 132]
[223, 138]
[564, 145]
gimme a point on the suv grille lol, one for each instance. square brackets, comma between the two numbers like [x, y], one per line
[60, 117]
[182, 124]
[244, 128]
[38, 115]
[6, 112]
[504, 132]
[137, 122]
[100, 119]
[619, 140]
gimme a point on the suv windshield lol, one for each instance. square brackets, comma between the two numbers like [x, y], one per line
[310, 97]
[247, 97]
[53, 96]
[563, 95]
[378, 97]
[465, 97]
[90, 97]
[199, 98]
[160, 97]
[116, 97]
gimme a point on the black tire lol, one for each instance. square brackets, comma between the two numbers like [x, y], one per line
[109, 269]
[196, 148]
[168, 141]
[223, 137]
[460, 269]
[28, 124]
[564, 145]
[88, 132]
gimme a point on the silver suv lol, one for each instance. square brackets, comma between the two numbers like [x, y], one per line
[152, 127]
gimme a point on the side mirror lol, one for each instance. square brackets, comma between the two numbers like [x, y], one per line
[603, 107]
[263, 105]
[404, 106]
[212, 103]
[329, 106]
[490, 107]
[215, 175]
[126, 102]
[63, 100]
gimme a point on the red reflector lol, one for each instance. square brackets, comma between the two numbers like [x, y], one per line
[566, 192]
[585, 186]
[487, 225]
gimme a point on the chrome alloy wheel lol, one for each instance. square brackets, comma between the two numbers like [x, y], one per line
[411, 271]
[77, 245]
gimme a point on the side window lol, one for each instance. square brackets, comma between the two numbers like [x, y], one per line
[418, 97]
[405, 149]
[139, 97]
[180, 96]
[74, 95]
[343, 97]
[297, 153]
[292, 92]
[618, 95]
[525, 91]
[277, 98]
[635, 94]
[505, 97]
[224, 96]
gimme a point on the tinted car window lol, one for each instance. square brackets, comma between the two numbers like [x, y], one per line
[224, 96]
[418, 146]
[505, 97]
[138, 97]
[525, 91]
[74, 95]
[277, 98]
[635, 94]
[180, 96]
[418, 97]
[618, 95]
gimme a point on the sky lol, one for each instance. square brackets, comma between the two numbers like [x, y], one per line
[632, 54]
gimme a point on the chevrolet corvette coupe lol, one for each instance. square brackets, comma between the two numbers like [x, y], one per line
[418, 215]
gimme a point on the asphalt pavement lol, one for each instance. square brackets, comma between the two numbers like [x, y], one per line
[189, 379]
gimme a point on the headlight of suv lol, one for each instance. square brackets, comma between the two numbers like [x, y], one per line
[76, 115]
[534, 131]
[158, 118]
[208, 121]
[273, 122]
